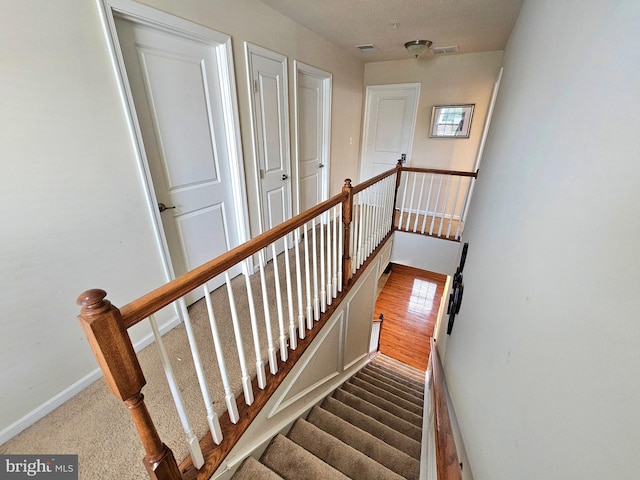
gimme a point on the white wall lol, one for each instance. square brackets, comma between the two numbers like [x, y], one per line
[450, 79]
[426, 253]
[544, 358]
[72, 203]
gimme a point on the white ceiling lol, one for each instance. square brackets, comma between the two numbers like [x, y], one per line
[473, 25]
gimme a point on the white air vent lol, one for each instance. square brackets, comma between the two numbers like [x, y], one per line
[367, 47]
[445, 50]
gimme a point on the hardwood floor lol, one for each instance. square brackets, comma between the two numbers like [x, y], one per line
[409, 300]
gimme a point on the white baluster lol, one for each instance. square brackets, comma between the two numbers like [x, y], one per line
[426, 213]
[192, 440]
[307, 277]
[260, 374]
[335, 252]
[273, 361]
[329, 259]
[212, 418]
[453, 209]
[404, 196]
[353, 235]
[361, 229]
[435, 210]
[463, 211]
[229, 398]
[316, 298]
[293, 342]
[283, 335]
[413, 191]
[340, 247]
[415, 224]
[301, 325]
[246, 379]
[444, 208]
[323, 285]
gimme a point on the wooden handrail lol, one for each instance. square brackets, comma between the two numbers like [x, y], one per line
[364, 185]
[142, 307]
[447, 462]
[441, 172]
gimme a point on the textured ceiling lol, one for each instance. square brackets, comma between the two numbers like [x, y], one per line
[472, 25]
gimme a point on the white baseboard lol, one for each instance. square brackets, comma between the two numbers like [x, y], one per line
[54, 402]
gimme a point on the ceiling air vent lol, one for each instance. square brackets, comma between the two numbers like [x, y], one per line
[445, 50]
[368, 47]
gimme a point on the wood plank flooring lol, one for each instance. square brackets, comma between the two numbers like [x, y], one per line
[409, 300]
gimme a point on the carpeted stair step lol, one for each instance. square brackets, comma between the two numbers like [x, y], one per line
[409, 381]
[371, 446]
[379, 414]
[344, 458]
[390, 407]
[251, 469]
[372, 426]
[400, 367]
[395, 381]
[292, 462]
[390, 388]
[382, 393]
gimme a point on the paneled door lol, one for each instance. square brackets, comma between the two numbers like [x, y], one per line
[313, 124]
[389, 121]
[176, 89]
[267, 72]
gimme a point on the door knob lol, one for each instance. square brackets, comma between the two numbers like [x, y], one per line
[321, 165]
[162, 207]
[284, 176]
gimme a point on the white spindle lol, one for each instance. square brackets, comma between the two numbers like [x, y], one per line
[283, 335]
[413, 191]
[415, 224]
[192, 440]
[292, 326]
[301, 324]
[426, 213]
[260, 374]
[404, 196]
[329, 258]
[361, 228]
[353, 235]
[271, 351]
[307, 278]
[323, 284]
[335, 252]
[229, 398]
[435, 209]
[212, 418]
[340, 248]
[246, 379]
[463, 211]
[453, 209]
[316, 298]
[444, 207]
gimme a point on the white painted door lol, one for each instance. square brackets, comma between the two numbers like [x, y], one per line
[313, 100]
[177, 95]
[270, 109]
[390, 117]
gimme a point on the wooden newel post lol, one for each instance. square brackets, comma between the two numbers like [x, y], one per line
[111, 345]
[347, 212]
[395, 196]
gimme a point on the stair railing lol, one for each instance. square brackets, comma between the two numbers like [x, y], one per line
[433, 202]
[312, 260]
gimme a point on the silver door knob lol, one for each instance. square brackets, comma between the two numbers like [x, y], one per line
[284, 176]
[162, 207]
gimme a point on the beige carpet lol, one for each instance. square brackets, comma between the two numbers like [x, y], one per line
[97, 427]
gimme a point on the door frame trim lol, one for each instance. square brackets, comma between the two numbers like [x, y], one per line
[144, 15]
[249, 49]
[327, 85]
[367, 107]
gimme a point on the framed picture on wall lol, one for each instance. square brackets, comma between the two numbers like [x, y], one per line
[451, 121]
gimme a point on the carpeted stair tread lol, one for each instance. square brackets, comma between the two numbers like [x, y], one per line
[379, 414]
[292, 462]
[251, 469]
[338, 454]
[394, 381]
[372, 426]
[382, 393]
[396, 391]
[402, 378]
[400, 367]
[371, 446]
[386, 405]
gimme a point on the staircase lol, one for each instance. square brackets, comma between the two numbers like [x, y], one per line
[370, 428]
